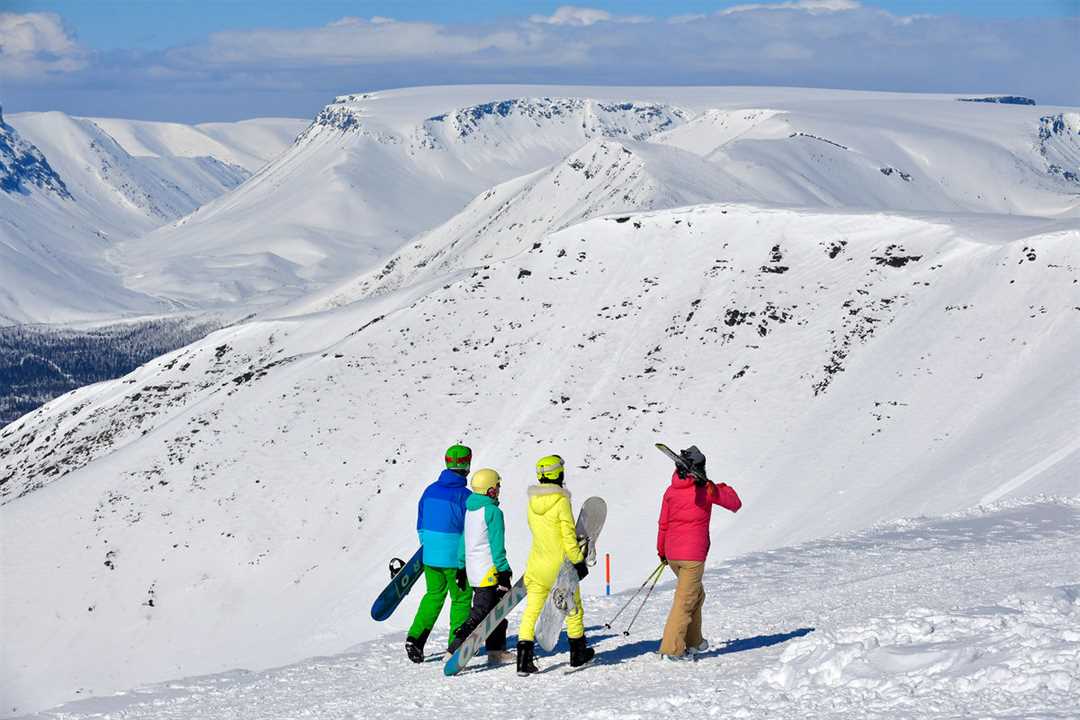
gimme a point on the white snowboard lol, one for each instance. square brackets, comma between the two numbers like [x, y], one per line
[560, 602]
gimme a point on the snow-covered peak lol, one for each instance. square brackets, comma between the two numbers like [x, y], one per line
[22, 165]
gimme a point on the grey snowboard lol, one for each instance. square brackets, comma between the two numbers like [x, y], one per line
[472, 644]
[561, 602]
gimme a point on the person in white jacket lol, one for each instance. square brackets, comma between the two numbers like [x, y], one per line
[483, 553]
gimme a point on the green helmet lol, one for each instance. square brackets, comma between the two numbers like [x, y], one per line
[458, 457]
[550, 469]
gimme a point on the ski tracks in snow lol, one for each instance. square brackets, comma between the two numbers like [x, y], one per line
[975, 614]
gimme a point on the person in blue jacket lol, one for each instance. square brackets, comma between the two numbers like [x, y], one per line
[440, 522]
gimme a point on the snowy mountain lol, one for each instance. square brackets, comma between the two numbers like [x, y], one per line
[59, 236]
[862, 306]
[234, 503]
[793, 148]
[376, 173]
[370, 172]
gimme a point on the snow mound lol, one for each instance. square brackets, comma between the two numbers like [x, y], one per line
[1028, 643]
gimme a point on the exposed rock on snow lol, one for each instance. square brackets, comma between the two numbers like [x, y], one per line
[1059, 143]
[23, 165]
[843, 391]
[1001, 100]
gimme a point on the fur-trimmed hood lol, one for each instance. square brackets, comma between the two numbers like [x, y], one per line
[545, 496]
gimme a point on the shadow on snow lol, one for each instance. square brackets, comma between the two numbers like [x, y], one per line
[646, 647]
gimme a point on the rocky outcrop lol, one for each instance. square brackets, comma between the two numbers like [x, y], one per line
[23, 166]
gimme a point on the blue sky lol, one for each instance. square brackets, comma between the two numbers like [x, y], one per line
[159, 24]
[225, 60]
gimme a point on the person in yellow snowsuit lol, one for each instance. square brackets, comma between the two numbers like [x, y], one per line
[554, 539]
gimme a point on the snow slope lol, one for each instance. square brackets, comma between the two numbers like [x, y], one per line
[234, 503]
[56, 247]
[602, 177]
[971, 615]
[375, 170]
[363, 179]
[248, 143]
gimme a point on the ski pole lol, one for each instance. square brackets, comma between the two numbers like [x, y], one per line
[654, 574]
[641, 607]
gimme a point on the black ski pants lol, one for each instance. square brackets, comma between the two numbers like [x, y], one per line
[484, 599]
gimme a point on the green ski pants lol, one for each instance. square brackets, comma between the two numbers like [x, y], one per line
[439, 581]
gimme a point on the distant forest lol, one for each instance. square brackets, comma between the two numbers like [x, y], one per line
[40, 362]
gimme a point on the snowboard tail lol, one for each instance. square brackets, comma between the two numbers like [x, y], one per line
[399, 587]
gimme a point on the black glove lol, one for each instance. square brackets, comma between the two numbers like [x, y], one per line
[502, 579]
[662, 558]
[582, 570]
[462, 579]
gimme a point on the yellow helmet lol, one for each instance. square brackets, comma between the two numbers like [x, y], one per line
[549, 468]
[483, 480]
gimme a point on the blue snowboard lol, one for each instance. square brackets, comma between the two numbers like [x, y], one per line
[399, 587]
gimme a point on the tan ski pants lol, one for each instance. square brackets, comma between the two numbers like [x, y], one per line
[684, 621]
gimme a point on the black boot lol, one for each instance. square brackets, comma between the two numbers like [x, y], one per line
[579, 654]
[525, 664]
[414, 647]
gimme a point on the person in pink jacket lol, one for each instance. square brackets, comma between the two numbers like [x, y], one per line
[683, 543]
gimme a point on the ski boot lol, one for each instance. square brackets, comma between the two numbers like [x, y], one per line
[525, 664]
[499, 657]
[414, 647]
[698, 649]
[579, 653]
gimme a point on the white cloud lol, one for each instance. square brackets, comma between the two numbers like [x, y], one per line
[573, 16]
[817, 43]
[346, 41]
[687, 18]
[811, 6]
[32, 44]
